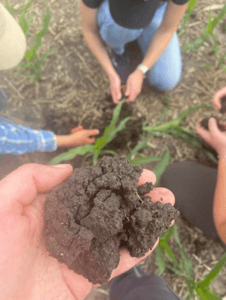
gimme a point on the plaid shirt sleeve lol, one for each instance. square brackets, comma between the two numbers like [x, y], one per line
[17, 139]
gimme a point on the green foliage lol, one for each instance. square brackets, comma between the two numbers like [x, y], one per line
[184, 268]
[96, 149]
[110, 131]
[32, 64]
[208, 34]
[186, 17]
[174, 128]
[161, 166]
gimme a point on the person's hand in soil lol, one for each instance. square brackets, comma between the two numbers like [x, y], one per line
[115, 87]
[217, 98]
[214, 137]
[78, 137]
[27, 271]
[134, 85]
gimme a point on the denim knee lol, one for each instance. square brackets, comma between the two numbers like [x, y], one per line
[165, 81]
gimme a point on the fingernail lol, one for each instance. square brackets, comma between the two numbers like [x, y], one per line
[98, 131]
[62, 166]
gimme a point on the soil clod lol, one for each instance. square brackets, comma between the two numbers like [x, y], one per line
[223, 105]
[99, 210]
[205, 121]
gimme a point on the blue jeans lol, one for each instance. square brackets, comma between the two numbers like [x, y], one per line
[166, 72]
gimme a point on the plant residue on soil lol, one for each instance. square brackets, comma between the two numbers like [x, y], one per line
[99, 210]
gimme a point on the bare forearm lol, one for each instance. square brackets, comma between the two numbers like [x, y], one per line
[219, 208]
[157, 46]
[96, 46]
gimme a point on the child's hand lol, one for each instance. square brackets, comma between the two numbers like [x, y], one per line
[83, 137]
[217, 98]
[76, 129]
[78, 137]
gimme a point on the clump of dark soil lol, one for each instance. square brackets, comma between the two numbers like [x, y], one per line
[99, 210]
[223, 105]
[205, 121]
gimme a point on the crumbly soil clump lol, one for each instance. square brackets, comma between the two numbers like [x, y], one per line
[204, 123]
[99, 210]
[223, 105]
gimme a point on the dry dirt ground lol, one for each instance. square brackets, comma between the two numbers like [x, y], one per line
[73, 91]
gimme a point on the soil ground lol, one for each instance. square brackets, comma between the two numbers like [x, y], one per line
[74, 89]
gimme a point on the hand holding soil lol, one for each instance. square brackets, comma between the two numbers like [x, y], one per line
[99, 211]
[214, 136]
[219, 100]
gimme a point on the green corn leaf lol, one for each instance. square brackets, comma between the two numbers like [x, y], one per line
[161, 166]
[105, 138]
[170, 254]
[144, 160]
[175, 121]
[22, 19]
[72, 153]
[31, 54]
[166, 236]
[186, 262]
[206, 294]
[213, 273]
[186, 17]
[165, 110]
[160, 260]
[10, 9]
[137, 148]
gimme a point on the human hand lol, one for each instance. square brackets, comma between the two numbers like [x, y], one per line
[217, 98]
[115, 86]
[26, 269]
[78, 137]
[214, 137]
[134, 85]
[76, 129]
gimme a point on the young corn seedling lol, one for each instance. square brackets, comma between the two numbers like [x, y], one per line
[208, 32]
[95, 150]
[174, 128]
[32, 65]
[183, 267]
[144, 143]
[185, 20]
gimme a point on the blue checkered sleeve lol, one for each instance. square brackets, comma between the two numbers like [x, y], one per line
[17, 139]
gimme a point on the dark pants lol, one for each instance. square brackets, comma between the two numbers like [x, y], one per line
[148, 287]
[193, 186]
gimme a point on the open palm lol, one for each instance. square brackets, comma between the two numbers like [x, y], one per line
[27, 271]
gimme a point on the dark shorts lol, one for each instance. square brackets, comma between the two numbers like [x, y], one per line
[193, 186]
[148, 287]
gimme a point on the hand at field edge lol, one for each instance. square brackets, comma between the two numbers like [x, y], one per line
[214, 137]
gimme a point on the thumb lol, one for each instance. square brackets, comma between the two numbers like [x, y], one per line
[22, 185]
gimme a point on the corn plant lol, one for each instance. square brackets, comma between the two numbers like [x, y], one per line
[96, 149]
[32, 64]
[208, 32]
[174, 128]
[183, 267]
[191, 7]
